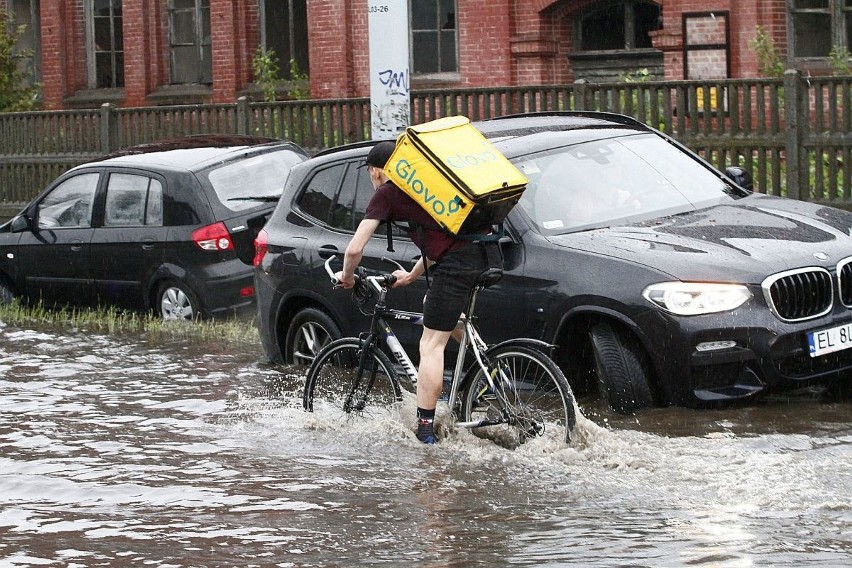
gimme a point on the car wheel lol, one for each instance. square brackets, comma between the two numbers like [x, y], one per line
[309, 331]
[6, 293]
[622, 369]
[177, 301]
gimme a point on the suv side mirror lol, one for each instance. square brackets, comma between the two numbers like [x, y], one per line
[19, 224]
[741, 177]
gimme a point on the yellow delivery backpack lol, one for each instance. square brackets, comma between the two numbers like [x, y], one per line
[450, 169]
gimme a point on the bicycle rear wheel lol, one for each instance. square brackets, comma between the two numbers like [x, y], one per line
[333, 385]
[531, 398]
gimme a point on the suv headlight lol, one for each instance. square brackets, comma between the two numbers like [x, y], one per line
[696, 298]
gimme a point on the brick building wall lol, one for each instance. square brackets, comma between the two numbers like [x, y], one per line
[500, 43]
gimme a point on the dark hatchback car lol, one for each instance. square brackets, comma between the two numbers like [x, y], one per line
[660, 279]
[168, 226]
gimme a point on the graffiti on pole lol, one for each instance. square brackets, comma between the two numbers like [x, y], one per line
[390, 101]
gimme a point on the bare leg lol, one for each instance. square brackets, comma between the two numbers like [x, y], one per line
[430, 374]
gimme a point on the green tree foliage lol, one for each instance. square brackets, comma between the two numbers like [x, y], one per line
[840, 60]
[15, 93]
[266, 70]
[768, 59]
[299, 79]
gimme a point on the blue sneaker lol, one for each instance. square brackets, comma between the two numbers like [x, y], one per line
[426, 431]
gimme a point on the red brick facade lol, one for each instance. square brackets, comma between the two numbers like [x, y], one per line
[500, 43]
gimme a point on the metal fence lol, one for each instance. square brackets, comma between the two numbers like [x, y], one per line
[792, 133]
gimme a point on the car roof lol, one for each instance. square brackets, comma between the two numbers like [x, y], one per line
[514, 134]
[190, 153]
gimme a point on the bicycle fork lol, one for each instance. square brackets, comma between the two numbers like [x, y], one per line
[355, 401]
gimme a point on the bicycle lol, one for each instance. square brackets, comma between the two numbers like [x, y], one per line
[511, 392]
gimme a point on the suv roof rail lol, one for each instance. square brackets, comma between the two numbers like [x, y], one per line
[350, 146]
[622, 119]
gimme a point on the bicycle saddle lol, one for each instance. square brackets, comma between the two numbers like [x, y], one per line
[489, 276]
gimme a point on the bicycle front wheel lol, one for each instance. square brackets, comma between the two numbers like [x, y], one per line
[528, 397]
[334, 385]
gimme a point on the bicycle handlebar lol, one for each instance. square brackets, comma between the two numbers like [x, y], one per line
[378, 282]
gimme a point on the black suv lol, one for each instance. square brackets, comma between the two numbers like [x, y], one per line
[660, 279]
[169, 226]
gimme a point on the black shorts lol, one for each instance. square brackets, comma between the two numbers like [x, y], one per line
[451, 281]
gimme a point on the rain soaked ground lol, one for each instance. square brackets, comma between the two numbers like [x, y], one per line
[117, 451]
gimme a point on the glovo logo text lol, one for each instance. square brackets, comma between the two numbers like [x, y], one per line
[470, 159]
[408, 174]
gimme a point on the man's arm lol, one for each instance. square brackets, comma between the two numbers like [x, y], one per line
[404, 278]
[355, 250]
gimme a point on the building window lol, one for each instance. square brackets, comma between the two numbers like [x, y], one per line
[284, 29]
[434, 37]
[818, 25]
[189, 42]
[27, 49]
[105, 44]
[619, 25]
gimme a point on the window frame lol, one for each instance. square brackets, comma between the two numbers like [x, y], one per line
[837, 11]
[411, 33]
[204, 69]
[628, 15]
[92, 51]
[32, 33]
[295, 25]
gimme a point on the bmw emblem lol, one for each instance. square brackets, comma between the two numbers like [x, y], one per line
[821, 256]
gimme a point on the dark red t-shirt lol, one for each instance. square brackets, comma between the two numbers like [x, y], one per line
[389, 203]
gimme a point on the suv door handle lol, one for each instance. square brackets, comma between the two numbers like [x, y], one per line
[327, 251]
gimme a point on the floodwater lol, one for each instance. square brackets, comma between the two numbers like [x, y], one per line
[117, 451]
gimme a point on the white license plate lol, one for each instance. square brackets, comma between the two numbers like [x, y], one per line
[830, 340]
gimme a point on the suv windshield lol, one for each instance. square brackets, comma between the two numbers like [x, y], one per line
[615, 180]
[262, 175]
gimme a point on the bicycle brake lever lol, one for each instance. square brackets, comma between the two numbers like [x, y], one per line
[392, 261]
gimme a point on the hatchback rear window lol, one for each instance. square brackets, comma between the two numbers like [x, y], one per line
[250, 181]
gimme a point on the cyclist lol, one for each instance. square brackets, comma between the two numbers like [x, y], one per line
[453, 264]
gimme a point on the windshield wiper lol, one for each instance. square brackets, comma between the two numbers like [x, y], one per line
[266, 198]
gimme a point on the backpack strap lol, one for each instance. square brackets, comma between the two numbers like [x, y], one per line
[390, 235]
[492, 237]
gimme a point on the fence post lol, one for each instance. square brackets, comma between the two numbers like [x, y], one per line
[580, 94]
[243, 116]
[793, 135]
[106, 128]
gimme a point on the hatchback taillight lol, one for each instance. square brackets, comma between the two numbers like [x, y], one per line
[213, 237]
[261, 242]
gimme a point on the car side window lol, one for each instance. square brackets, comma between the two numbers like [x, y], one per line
[320, 196]
[338, 196]
[69, 205]
[133, 201]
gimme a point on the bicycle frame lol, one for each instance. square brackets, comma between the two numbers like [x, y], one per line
[381, 332]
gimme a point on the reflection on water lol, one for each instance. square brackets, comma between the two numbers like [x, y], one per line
[117, 451]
